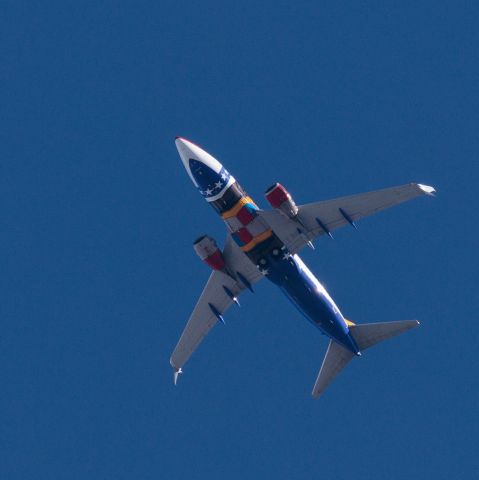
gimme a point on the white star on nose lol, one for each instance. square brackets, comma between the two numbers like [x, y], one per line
[208, 191]
[223, 176]
[218, 184]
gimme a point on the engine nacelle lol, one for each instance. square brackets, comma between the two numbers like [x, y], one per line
[278, 197]
[206, 248]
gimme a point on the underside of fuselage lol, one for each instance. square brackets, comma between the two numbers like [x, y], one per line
[307, 294]
[264, 248]
[287, 271]
[269, 241]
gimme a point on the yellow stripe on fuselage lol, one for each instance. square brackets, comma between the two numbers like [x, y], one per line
[239, 205]
[258, 239]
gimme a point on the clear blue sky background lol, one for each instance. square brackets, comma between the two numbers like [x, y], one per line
[98, 218]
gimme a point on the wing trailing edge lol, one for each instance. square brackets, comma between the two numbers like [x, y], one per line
[322, 218]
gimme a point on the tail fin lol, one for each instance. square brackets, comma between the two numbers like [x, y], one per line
[365, 336]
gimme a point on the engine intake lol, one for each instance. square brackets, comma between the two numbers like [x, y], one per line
[206, 248]
[278, 197]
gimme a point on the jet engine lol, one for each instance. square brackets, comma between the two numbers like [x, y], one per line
[206, 248]
[278, 197]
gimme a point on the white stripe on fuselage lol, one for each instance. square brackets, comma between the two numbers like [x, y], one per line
[221, 193]
[317, 284]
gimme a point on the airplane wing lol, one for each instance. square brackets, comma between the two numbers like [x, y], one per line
[320, 218]
[214, 301]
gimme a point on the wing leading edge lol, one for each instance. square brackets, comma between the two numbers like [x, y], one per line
[217, 296]
[320, 218]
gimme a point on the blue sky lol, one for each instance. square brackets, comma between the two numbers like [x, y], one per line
[99, 216]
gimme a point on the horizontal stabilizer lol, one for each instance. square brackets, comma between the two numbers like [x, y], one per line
[368, 334]
[336, 358]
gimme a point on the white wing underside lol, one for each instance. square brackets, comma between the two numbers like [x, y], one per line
[203, 318]
[328, 213]
[315, 219]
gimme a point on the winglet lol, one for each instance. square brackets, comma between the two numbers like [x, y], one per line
[427, 189]
[176, 374]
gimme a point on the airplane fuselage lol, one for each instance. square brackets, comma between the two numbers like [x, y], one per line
[265, 243]
[299, 285]
[263, 247]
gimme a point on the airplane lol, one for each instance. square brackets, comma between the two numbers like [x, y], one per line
[265, 244]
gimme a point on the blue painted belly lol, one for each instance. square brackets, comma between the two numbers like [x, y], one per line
[308, 296]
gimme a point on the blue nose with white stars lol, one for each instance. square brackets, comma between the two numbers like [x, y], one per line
[208, 175]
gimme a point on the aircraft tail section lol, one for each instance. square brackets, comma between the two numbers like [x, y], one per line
[365, 336]
[368, 334]
[336, 358]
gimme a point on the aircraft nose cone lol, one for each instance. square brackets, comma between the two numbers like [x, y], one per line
[186, 149]
[208, 175]
[190, 151]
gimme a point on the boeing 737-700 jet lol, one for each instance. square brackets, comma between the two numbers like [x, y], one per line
[265, 244]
